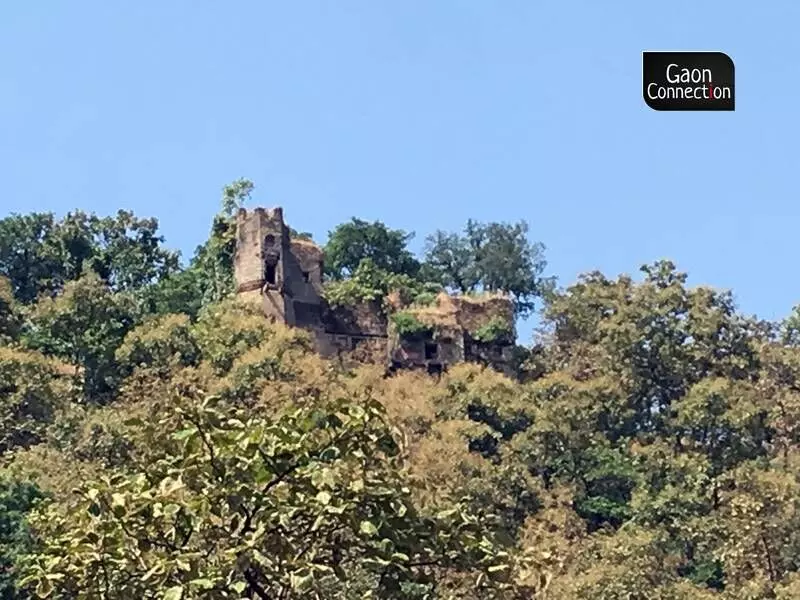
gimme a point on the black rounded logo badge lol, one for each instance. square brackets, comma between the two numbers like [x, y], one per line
[688, 80]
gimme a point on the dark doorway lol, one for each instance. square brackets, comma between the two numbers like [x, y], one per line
[431, 351]
[435, 369]
[270, 274]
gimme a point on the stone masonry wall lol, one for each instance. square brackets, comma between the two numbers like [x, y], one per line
[285, 276]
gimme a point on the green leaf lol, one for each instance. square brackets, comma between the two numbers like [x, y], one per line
[368, 528]
[44, 588]
[399, 556]
[239, 587]
[151, 572]
[184, 433]
[447, 514]
[174, 593]
[356, 411]
[301, 580]
[318, 522]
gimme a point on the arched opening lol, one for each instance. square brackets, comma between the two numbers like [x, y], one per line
[271, 260]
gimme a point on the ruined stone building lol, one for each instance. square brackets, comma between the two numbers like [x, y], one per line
[284, 275]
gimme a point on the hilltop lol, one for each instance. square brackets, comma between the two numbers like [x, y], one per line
[179, 431]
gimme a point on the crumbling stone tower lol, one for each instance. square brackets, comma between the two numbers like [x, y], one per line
[283, 275]
[271, 268]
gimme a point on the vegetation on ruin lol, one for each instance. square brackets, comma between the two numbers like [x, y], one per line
[370, 283]
[366, 262]
[408, 326]
[349, 244]
[493, 330]
[157, 445]
[489, 257]
[425, 298]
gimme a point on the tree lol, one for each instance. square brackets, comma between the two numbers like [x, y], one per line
[299, 235]
[32, 389]
[304, 504]
[651, 416]
[652, 451]
[84, 326]
[10, 316]
[352, 242]
[451, 260]
[489, 257]
[180, 292]
[39, 254]
[368, 283]
[29, 258]
[17, 499]
[160, 344]
[212, 263]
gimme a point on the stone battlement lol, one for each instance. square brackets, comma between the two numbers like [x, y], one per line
[284, 276]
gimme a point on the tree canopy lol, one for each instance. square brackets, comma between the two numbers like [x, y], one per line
[39, 254]
[489, 257]
[357, 240]
[157, 446]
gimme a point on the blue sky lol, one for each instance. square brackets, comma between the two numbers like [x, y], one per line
[422, 114]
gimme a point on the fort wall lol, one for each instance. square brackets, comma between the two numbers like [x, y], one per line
[284, 275]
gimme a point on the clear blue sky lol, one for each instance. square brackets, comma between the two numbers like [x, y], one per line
[421, 114]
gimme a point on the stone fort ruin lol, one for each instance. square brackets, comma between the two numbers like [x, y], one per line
[284, 276]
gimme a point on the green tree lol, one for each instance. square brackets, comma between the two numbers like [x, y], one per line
[160, 344]
[300, 235]
[369, 283]
[352, 242]
[10, 315]
[84, 326]
[29, 257]
[180, 292]
[32, 389]
[129, 253]
[451, 260]
[307, 503]
[212, 264]
[655, 414]
[40, 254]
[227, 330]
[17, 499]
[489, 257]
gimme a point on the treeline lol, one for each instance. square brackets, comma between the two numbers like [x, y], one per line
[160, 440]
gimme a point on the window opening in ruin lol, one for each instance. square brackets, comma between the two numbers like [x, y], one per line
[305, 276]
[435, 369]
[269, 240]
[431, 351]
[270, 274]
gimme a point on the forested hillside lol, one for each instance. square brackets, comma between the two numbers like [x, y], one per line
[161, 440]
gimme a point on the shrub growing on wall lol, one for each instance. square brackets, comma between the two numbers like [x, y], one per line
[409, 326]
